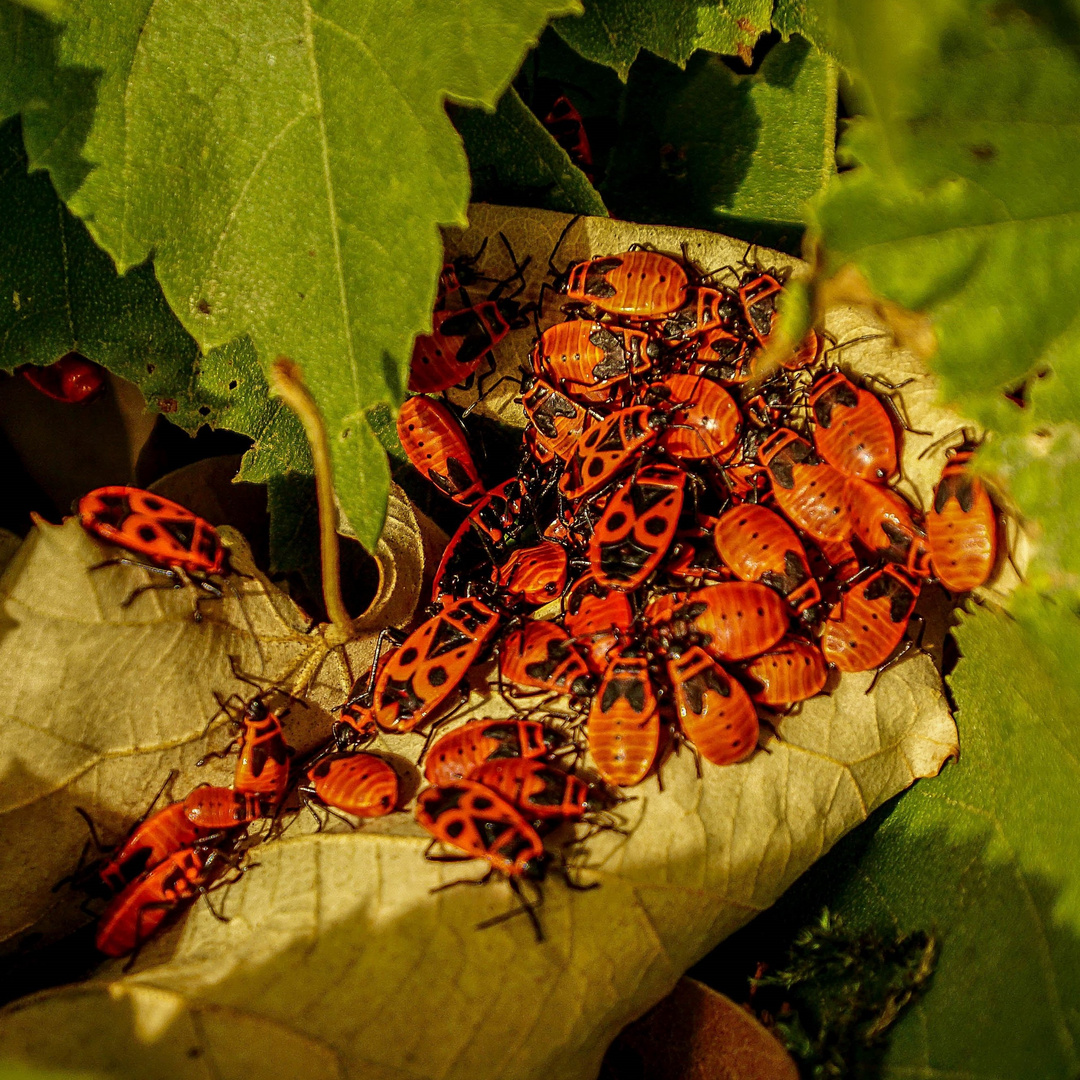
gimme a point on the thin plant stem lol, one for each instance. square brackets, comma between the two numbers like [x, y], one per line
[289, 384]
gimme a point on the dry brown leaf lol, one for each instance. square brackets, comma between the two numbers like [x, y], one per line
[697, 1034]
[101, 702]
[335, 944]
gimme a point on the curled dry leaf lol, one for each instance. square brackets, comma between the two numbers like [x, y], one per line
[101, 702]
[697, 1034]
[337, 960]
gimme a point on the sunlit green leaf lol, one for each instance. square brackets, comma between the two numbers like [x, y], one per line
[287, 165]
[613, 32]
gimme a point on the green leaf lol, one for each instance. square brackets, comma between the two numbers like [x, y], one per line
[985, 859]
[514, 160]
[965, 201]
[613, 32]
[63, 294]
[288, 164]
[711, 149]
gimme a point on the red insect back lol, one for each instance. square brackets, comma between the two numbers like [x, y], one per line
[536, 574]
[585, 358]
[705, 309]
[792, 670]
[480, 822]
[639, 284]
[597, 617]
[715, 712]
[359, 784]
[638, 523]
[432, 661]
[704, 421]
[537, 788]
[72, 379]
[262, 767]
[961, 528]
[804, 355]
[756, 544]
[436, 446]
[457, 345]
[731, 620]
[455, 755]
[721, 354]
[758, 297]
[812, 493]
[608, 447]
[133, 916]
[869, 621]
[568, 130]
[160, 530]
[885, 524]
[151, 842]
[623, 728]
[223, 808]
[558, 421]
[542, 656]
[852, 430]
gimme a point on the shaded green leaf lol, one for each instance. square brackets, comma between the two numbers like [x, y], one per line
[62, 294]
[288, 164]
[964, 203]
[514, 160]
[711, 149]
[613, 32]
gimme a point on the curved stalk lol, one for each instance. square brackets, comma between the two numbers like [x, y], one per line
[289, 383]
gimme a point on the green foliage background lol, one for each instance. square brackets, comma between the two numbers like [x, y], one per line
[187, 192]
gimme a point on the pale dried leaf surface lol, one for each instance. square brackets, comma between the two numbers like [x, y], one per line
[337, 960]
[102, 702]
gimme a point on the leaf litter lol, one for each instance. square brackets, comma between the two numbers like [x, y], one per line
[335, 935]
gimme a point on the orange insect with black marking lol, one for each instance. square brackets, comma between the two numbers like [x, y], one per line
[175, 542]
[720, 353]
[212, 807]
[539, 789]
[597, 617]
[558, 421]
[962, 527]
[704, 309]
[415, 680]
[262, 767]
[623, 729]
[715, 712]
[435, 444]
[758, 297]
[608, 447]
[637, 526]
[852, 430]
[638, 284]
[731, 620]
[135, 914]
[814, 495]
[869, 620]
[456, 754]
[704, 419]
[458, 343]
[792, 670]
[361, 784]
[541, 655]
[756, 544]
[885, 524]
[585, 359]
[150, 843]
[537, 574]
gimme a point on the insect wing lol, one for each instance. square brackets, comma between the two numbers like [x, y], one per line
[623, 728]
[637, 527]
[714, 710]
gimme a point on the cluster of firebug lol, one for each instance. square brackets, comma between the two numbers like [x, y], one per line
[705, 547]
